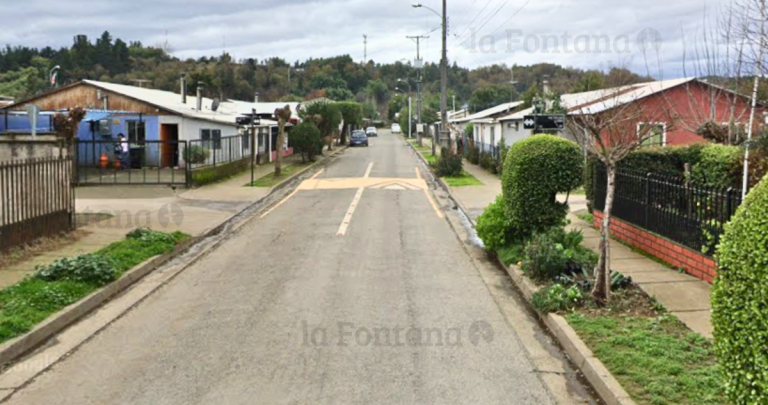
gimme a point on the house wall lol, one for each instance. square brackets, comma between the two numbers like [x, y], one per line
[86, 96]
[686, 108]
[514, 132]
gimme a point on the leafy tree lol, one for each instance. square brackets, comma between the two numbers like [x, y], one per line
[306, 140]
[327, 116]
[489, 96]
[283, 115]
[352, 115]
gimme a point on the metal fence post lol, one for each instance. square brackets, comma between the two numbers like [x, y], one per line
[647, 202]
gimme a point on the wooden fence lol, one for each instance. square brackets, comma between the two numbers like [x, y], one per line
[37, 199]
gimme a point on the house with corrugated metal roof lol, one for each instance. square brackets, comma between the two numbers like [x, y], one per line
[157, 124]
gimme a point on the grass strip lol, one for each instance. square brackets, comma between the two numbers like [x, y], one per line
[29, 302]
[656, 359]
[464, 180]
[271, 180]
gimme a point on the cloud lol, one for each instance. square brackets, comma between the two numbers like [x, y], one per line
[299, 29]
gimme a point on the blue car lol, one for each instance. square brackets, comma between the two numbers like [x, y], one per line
[358, 138]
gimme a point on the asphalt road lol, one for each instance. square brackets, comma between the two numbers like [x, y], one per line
[291, 312]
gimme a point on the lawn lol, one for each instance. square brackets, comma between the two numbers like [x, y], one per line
[655, 358]
[67, 281]
[271, 180]
[464, 180]
[424, 151]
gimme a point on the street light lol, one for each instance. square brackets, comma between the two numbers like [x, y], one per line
[419, 5]
[443, 76]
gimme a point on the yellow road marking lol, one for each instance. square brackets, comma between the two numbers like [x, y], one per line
[350, 212]
[283, 201]
[434, 204]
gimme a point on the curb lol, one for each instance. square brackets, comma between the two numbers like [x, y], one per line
[444, 185]
[14, 349]
[604, 383]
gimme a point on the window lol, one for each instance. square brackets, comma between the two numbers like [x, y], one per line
[247, 139]
[655, 133]
[137, 132]
[211, 137]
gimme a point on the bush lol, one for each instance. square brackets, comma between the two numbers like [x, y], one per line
[473, 154]
[557, 298]
[740, 299]
[536, 170]
[147, 235]
[493, 227]
[306, 140]
[545, 259]
[487, 162]
[449, 164]
[196, 155]
[718, 166]
[556, 253]
[91, 269]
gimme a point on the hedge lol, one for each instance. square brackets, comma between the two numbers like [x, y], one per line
[209, 175]
[535, 171]
[740, 300]
[719, 166]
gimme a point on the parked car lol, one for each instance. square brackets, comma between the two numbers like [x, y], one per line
[371, 131]
[396, 129]
[358, 138]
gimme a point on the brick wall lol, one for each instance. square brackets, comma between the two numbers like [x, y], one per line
[694, 263]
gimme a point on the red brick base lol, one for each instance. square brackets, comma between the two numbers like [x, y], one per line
[694, 263]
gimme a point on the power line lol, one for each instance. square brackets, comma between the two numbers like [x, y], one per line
[475, 19]
[490, 17]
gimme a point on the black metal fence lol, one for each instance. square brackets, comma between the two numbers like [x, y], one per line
[146, 162]
[37, 199]
[219, 150]
[688, 214]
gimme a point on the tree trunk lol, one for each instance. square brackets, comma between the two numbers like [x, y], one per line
[601, 291]
[280, 142]
[344, 131]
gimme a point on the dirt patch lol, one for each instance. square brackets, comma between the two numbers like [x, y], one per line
[40, 246]
[631, 301]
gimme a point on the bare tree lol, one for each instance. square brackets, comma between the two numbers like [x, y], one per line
[283, 115]
[610, 129]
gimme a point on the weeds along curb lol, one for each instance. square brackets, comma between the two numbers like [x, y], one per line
[604, 383]
[14, 349]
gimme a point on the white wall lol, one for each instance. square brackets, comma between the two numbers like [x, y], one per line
[515, 133]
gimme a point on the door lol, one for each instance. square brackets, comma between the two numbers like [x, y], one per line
[169, 146]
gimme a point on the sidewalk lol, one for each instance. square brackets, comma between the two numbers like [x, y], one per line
[128, 207]
[686, 297]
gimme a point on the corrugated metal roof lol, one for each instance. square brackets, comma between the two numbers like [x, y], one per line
[172, 102]
[491, 111]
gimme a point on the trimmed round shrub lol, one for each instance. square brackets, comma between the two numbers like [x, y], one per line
[740, 301]
[535, 171]
[306, 140]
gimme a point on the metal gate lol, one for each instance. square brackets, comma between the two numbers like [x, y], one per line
[105, 163]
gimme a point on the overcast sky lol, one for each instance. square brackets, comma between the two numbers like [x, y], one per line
[583, 33]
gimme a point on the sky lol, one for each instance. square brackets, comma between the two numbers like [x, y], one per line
[649, 36]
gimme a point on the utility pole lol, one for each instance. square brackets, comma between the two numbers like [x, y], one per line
[365, 49]
[419, 67]
[445, 134]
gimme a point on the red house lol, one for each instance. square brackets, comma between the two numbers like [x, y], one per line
[676, 108]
